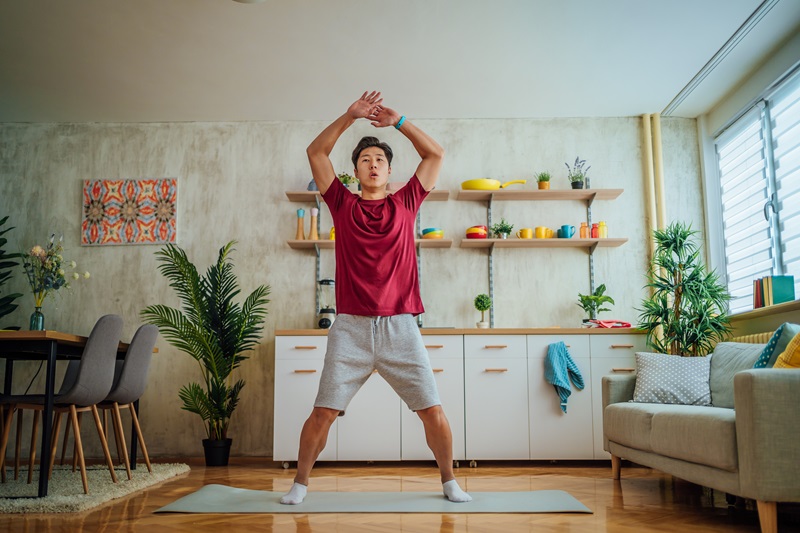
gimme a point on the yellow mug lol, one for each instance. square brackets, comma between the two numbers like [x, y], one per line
[543, 232]
[525, 233]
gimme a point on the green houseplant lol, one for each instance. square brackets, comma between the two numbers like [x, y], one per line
[7, 264]
[543, 180]
[483, 303]
[346, 179]
[593, 303]
[502, 229]
[687, 312]
[577, 174]
[215, 331]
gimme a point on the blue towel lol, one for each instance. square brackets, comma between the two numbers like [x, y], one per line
[559, 369]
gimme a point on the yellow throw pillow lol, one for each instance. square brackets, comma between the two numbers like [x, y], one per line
[790, 358]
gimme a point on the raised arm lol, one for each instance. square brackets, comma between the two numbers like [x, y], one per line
[429, 150]
[320, 149]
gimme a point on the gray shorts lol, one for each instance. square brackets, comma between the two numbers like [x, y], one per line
[392, 345]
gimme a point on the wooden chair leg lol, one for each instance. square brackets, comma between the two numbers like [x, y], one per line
[32, 452]
[104, 442]
[139, 436]
[616, 467]
[66, 438]
[53, 443]
[6, 430]
[73, 413]
[768, 516]
[75, 444]
[119, 434]
[18, 449]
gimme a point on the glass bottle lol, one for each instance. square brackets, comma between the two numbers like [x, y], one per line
[584, 230]
[602, 230]
[595, 231]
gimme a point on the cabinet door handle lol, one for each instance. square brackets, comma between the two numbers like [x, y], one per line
[622, 345]
[434, 346]
[623, 370]
[304, 371]
[495, 370]
[495, 346]
[305, 347]
[438, 370]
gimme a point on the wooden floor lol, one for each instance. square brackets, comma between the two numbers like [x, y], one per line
[644, 500]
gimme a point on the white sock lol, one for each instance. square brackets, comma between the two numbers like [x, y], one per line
[295, 495]
[454, 493]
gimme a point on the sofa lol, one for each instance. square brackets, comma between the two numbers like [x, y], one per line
[745, 442]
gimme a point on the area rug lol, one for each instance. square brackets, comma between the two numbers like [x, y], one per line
[65, 490]
[224, 499]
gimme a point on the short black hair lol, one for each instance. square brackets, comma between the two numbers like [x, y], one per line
[368, 142]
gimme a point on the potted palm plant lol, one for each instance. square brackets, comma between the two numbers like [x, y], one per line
[7, 264]
[687, 312]
[215, 331]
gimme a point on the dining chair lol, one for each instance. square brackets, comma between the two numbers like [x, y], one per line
[129, 384]
[92, 382]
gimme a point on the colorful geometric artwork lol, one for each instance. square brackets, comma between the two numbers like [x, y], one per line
[129, 211]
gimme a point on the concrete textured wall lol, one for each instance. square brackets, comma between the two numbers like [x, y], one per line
[232, 179]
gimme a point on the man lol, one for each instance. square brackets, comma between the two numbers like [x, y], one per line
[377, 289]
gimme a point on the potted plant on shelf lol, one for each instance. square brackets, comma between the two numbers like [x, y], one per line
[577, 174]
[593, 303]
[348, 181]
[502, 229]
[687, 312]
[483, 303]
[215, 331]
[543, 180]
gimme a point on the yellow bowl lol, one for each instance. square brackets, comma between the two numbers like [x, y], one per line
[434, 235]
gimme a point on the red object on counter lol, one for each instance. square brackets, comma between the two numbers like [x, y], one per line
[611, 323]
[595, 231]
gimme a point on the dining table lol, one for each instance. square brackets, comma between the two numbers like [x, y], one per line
[48, 346]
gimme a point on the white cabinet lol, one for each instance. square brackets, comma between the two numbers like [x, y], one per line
[611, 354]
[370, 427]
[553, 433]
[446, 354]
[298, 364]
[496, 404]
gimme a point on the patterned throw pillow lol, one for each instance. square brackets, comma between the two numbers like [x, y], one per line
[662, 378]
[777, 344]
[790, 358]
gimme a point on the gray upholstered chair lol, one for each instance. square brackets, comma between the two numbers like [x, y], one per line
[92, 383]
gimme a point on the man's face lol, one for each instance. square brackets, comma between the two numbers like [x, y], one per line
[373, 168]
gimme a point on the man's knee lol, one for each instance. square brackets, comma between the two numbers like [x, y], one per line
[432, 415]
[323, 417]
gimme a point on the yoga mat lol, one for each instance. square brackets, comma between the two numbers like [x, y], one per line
[224, 499]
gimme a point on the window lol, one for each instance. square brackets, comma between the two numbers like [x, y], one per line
[758, 160]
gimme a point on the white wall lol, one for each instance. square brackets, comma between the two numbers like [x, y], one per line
[232, 181]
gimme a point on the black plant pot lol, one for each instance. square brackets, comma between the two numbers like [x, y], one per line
[217, 451]
[577, 185]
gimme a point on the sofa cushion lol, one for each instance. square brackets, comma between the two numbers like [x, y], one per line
[672, 379]
[777, 344]
[790, 358]
[630, 424]
[702, 435]
[728, 359]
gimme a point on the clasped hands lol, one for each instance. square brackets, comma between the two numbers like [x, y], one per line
[369, 107]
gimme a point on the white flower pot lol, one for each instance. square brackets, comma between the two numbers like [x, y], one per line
[482, 325]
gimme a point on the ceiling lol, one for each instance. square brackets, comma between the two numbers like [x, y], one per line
[219, 60]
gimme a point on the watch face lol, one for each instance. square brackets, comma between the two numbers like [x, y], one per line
[324, 323]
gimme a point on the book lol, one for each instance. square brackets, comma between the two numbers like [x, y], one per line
[767, 291]
[782, 289]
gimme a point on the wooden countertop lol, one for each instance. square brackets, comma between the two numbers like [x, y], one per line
[488, 331]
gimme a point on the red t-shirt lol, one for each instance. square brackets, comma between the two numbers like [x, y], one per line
[376, 260]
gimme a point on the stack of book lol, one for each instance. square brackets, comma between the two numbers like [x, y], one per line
[771, 290]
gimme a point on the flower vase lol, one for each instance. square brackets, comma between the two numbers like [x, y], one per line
[37, 320]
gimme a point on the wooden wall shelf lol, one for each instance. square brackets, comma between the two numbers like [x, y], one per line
[436, 195]
[542, 243]
[329, 245]
[586, 195]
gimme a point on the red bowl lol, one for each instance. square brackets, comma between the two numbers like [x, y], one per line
[476, 235]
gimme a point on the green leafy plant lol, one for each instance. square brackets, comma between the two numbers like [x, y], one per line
[483, 303]
[46, 269]
[577, 172]
[212, 329]
[502, 227]
[687, 313]
[593, 303]
[7, 265]
[543, 176]
[346, 178]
